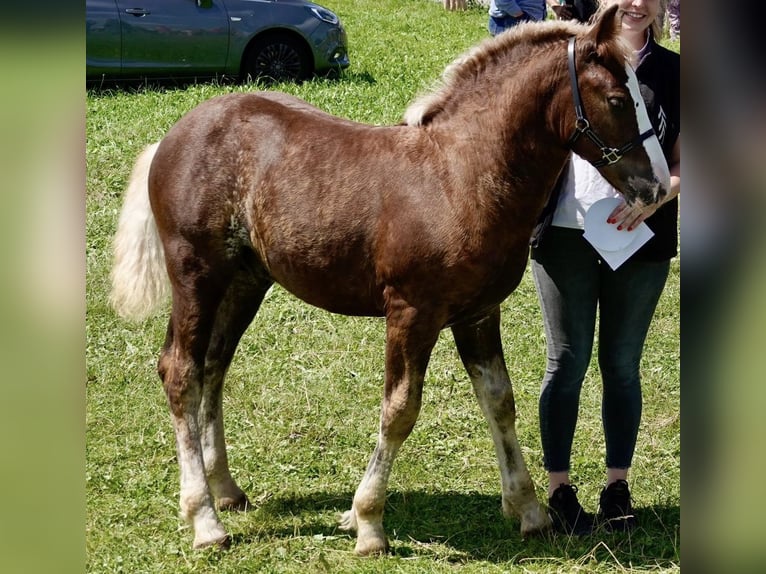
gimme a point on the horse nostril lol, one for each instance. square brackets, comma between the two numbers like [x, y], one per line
[649, 193]
[662, 191]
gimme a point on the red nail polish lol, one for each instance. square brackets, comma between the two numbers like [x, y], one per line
[630, 229]
[619, 228]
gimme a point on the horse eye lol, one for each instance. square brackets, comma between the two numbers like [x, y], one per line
[616, 102]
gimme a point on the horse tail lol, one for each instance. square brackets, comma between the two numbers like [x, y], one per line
[139, 278]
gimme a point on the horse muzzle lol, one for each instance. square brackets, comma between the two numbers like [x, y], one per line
[645, 191]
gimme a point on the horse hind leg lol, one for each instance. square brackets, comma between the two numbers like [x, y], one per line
[480, 349]
[210, 311]
[181, 368]
[235, 313]
[408, 348]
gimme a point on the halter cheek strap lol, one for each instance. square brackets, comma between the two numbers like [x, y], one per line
[609, 155]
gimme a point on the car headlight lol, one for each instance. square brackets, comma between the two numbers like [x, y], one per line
[324, 15]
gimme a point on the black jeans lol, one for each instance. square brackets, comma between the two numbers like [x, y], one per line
[572, 282]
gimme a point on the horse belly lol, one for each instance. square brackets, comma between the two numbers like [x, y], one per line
[337, 276]
[333, 291]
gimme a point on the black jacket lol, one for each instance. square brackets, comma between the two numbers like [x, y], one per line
[659, 76]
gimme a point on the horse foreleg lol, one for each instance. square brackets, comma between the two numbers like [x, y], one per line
[481, 351]
[366, 514]
[235, 313]
[408, 348]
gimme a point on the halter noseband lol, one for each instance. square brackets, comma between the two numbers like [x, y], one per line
[609, 155]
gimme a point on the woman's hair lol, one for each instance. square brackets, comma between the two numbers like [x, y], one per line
[656, 26]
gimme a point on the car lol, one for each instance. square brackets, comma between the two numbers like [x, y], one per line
[241, 39]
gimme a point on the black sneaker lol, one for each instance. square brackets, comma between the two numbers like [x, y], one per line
[566, 513]
[615, 510]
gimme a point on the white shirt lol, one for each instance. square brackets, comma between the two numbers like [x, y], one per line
[582, 186]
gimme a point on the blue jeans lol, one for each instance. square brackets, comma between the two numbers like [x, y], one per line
[497, 25]
[572, 282]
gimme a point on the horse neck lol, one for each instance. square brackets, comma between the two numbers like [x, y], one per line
[515, 137]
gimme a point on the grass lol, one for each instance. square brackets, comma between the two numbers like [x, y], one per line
[304, 390]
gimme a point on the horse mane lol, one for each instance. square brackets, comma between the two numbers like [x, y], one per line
[501, 49]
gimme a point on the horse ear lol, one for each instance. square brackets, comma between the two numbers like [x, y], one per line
[606, 27]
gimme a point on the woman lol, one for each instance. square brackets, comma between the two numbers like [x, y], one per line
[572, 282]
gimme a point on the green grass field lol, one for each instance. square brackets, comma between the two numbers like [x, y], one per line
[303, 393]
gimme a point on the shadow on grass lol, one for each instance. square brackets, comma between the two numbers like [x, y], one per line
[470, 526]
[132, 86]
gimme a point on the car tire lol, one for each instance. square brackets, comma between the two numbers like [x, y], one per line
[278, 57]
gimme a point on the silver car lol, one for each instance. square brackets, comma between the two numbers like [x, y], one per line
[272, 39]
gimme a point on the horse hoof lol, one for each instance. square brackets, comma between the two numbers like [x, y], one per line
[371, 539]
[240, 503]
[535, 522]
[374, 547]
[221, 543]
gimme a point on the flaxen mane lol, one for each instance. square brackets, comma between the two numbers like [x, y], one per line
[507, 49]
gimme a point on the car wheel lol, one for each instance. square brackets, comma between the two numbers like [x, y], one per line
[278, 57]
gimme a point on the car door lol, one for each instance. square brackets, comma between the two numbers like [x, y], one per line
[102, 38]
[173, 37]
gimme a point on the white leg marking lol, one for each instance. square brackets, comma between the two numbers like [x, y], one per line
[366, 514]
[195, 501]
[495, 394]
[222, 486]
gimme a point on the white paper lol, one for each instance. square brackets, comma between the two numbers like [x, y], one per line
[614, 246]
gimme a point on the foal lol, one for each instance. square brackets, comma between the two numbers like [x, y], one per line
[425, 223]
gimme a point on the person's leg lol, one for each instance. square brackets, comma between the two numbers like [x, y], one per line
[497, 25]
[628, 299]
[566, 274]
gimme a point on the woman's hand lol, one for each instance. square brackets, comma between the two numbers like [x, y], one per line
[630, 216]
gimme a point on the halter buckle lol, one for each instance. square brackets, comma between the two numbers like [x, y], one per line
[611, 155]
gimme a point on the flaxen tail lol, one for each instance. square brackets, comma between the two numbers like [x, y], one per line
[139, 279]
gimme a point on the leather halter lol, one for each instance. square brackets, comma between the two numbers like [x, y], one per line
[609, 155]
